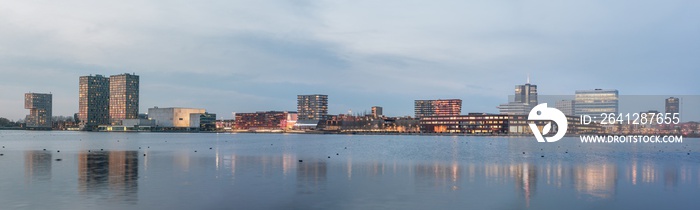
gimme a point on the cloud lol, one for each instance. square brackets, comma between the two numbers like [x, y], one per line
[241, 56]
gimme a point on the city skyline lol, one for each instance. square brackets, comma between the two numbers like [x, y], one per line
[244, 62]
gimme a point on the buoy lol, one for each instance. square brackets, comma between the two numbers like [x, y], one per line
[58, 159]
[149, 147]
[336, 154]
[689, 153]
[566, 152]
[209, 147]
[301, 161]
[58, 151]
[346, 147]
[542, 156]
[195, 151]
[44, 149]
[329, 156]
[144, 154]
[523, 153]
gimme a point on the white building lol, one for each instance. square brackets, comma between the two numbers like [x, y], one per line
[175, 117]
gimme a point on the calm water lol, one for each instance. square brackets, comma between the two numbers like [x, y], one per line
[80, 170]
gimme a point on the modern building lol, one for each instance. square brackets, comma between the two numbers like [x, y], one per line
[93, 102]
[523, 101]
[566, 106]
[440, 107]
[176, 117]
[270, 120]
[123, 97]
[595, 102]
[39, 105]
[312, 107]
[673, 105]
[377, 111]
[495, 124]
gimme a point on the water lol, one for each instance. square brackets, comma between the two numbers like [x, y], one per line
[81, 170]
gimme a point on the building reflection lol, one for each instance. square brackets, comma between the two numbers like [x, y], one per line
[525, 176]
[311, 177]
[597, 180]
[37, 165]
[113, 174]
[439, 175]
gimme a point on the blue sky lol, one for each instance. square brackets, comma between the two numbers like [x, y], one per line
[245, 56]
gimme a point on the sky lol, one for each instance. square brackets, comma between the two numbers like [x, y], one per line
[246, 56]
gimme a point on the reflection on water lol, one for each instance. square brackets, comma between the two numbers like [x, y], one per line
[263, 175]
[112, 174]
[37, 165]
[597, 180]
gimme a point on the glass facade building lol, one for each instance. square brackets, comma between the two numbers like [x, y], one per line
[595, 102]
[524, 100]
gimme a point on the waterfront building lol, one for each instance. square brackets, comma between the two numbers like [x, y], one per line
[93, 102]
[440, 107]
[312, 107]
[673, 105]
[495, 124]
[377, 111]
[595, 102]
[523, 101]
[176, 117]
[123, 97]
[40, 106]
[566, 106]
[269, 120]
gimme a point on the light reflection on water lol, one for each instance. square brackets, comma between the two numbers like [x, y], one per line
[375, 172]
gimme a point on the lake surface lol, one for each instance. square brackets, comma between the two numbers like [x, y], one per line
[82, 170]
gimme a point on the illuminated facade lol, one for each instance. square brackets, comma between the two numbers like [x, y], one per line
[312, 107]
[377, 111]
[596, 102]
[495, 124]
[270, 120]
[93, 101]
[440, 107]
[39, 105]
[673, 105]
[123, 97]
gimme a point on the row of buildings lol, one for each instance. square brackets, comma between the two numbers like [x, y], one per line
[112, 104]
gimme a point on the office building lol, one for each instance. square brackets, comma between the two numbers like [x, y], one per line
[93, 102]
[566, 106]
[39, 105]
[123, 97]
[595, 102]
[270, 120]
[440, 107]
[176, 117]
[312, 107]
[523, 101]
[496, 124]
[673, 105]
[377, 111]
